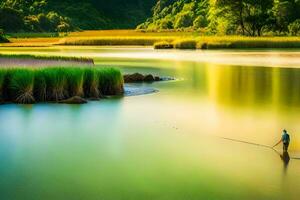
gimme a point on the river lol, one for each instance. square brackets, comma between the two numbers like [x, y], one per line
[165, 145]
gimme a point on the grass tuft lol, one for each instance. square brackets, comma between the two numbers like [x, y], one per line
[163, 45]
[111, 83]
[75, 82]
[23, 85]
[56, 81]
[2, 79]
[91, 83]
[185, 44]
[41, 57]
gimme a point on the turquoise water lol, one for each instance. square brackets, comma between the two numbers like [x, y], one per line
[165, 145]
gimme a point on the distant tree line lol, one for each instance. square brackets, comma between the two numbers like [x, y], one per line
[227, 17]
[68, 15]
[31, 16]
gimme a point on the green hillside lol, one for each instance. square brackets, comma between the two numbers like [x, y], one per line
[227, 17]
[58, 15]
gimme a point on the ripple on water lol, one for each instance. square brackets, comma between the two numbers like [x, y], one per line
[136, 90]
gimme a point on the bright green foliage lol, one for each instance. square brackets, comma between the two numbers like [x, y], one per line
[200, 22]
[23, 85]
[294, 28]
[181, 13]
[67, 15]
[183, 20]
[31, 16]
[228, 17]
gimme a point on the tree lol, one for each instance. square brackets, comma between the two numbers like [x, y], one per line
[183, 20]
[10, 20]
[294, 28]
[2, 36]
[200, 22]
[166, 24]
[250, 16]
[235, 9]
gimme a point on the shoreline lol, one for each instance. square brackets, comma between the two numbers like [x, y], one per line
[157, 40]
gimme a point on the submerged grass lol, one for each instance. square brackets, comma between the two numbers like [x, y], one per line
[23, 85]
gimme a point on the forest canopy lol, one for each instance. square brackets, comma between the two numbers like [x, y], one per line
[67, 15]
[211, 17]
[227, 17]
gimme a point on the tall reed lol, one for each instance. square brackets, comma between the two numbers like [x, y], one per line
[2, 78]
[42, 57]
[91, 83]
[21, 86]
[110, 81]
[29, 85]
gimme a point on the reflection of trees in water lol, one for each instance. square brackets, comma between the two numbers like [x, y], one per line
[289, 87]
[195, 75]
[255, 86]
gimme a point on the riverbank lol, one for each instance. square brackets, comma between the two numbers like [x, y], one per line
[159, 40]
[26, 60]
[58, 84]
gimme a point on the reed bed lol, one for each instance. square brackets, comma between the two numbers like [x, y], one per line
[54, 58]
[54, 84]
[232, 42]
[114, 41]
[163, 45]
[159, 39]
[33, 35]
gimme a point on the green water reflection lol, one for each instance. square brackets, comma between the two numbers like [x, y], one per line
[166, 145]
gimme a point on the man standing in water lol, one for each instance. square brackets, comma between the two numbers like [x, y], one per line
[285, 139]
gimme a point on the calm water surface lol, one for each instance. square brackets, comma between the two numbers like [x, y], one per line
[167, 145]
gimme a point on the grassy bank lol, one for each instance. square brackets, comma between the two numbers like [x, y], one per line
[113, 41]
[40, 57]
[160, 40]
[231, 42]
[30, 85]
[34, 35]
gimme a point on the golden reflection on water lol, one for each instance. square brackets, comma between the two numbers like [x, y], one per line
[165, 143]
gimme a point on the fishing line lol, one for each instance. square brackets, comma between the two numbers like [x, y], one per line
[259, 145]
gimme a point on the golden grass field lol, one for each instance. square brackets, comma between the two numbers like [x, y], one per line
[181, 40]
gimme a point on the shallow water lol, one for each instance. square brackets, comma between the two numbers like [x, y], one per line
[165, 145]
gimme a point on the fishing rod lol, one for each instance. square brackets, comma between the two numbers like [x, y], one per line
[259, 145]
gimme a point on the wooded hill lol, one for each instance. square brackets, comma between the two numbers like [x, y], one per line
[225, 17]
[66, 15]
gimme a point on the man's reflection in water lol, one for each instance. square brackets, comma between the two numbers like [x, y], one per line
[285, 157]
